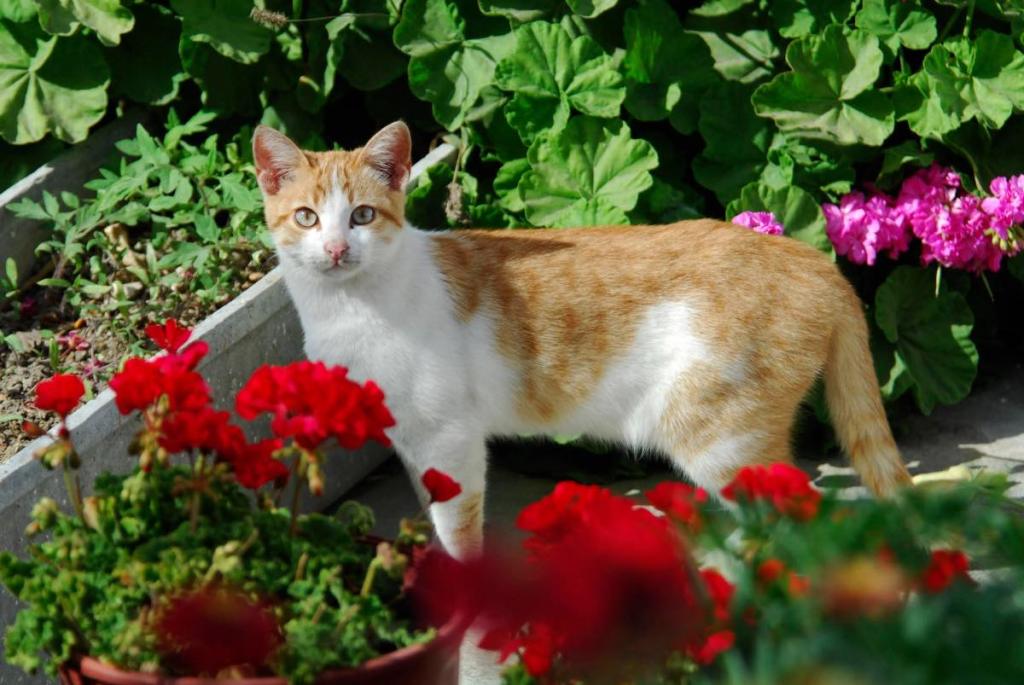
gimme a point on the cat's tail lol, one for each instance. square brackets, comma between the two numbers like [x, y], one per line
[855, 404]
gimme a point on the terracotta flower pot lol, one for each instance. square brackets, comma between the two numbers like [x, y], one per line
[433, 663]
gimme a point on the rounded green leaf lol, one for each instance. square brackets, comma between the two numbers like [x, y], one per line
[932, 335]
[964, 79]
[225, 26]
[666, 68]
[520, 10]
[736, 141]
[228, 87]
[550, 71]
[793, 206]
[49, 85]
[798, 18]
[591, 8]
[590, 173]
[146, 66]
[446, 68]
[108, 18]
[18, 10]
[828, 95]
[897, 23]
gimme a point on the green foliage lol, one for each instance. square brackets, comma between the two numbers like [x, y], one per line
[172, 230]
[95, 587]
[931, 332]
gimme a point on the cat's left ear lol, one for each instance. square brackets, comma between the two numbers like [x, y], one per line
[389, 153]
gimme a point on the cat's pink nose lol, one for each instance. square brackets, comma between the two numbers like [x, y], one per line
[336, 250]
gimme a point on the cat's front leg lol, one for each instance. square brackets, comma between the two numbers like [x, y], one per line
[461, 454]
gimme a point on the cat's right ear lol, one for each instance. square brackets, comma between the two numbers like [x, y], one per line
[276, 156]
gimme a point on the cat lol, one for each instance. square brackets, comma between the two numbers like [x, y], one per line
[698, 339]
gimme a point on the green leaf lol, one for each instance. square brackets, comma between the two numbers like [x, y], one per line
[18, 11]
[367, 59]
[718, 8]
[965, 79]
[225, 26]
[746, 56]
[49, 85]
[664, 204]
[11, 271]
[828, 94]
[424, 204]
[931, 334]
[506, 184]
[736, 141]
[549, 72]
[793, 206]
[106, 17]
[206, 228]
[18, 161]
[227, 86]
[520, 11]
[897, 23]
[798, 18]
[590, 173]
[895, 158]
[146, 66]
[666, 67]
[591, 8]
[447, 69]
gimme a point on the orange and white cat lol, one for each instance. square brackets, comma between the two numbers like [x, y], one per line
[697, 340]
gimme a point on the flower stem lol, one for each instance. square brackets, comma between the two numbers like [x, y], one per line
[371, 574]
[298, 473]
[969, 19]
[74, 492]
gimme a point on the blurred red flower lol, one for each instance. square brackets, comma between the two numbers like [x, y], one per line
[946, 567]
[787, 488]
[169, 335]
[59, 394]
[679, 501]
[440, 486]
[212, 629]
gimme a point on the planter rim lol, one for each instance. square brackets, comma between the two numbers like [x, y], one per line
[448, 637]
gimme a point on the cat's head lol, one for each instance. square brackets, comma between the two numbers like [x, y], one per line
[334, 214]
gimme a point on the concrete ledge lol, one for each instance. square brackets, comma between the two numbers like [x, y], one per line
[258, 327]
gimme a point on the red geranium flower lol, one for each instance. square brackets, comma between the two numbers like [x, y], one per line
[169, 335]
[209, 630]
[59, 394]
[311, 403]
[716, 643]
[679, 501]
[946, 566]
[786, 487]
[136, 386]
[440, 486]
[256, 466]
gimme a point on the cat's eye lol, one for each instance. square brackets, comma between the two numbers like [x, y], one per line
[363, 215]
[306, 217]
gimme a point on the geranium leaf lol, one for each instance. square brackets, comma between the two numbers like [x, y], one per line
[897, 23]
[591, 8]
[106, 17]
[828, 95]
[666, 68]
[590, 173]
[225, 26]
[447, 69]
[49, 84]
[18, 10]
[793, 206]
[227, 86]
[964, 79]
[550, 71]
[745, 56]
[146, 66]
[736, 141]
[932, 335]
[519, 10]
[798, 18]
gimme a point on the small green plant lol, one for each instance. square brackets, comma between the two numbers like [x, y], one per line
[174, 230]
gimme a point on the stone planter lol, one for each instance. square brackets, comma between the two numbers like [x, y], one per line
[258, 327]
